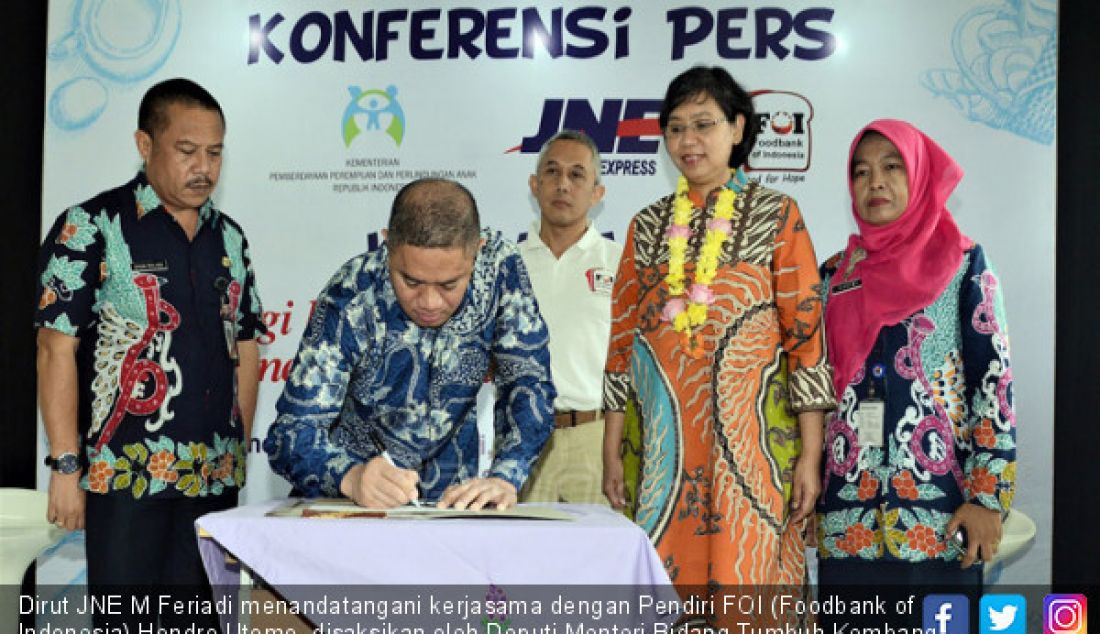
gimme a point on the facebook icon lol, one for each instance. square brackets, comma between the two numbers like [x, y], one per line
[946, 614]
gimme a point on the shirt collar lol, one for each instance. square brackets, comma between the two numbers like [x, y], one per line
[534, 239]
[148, 201]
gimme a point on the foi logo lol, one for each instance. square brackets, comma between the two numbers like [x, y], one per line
[783, 139]
[369, 110]
[618, 126]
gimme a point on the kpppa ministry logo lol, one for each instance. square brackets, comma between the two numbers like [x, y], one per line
[370, 110]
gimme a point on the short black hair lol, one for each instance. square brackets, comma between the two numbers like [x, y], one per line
[434, 213]
[152, 113]
[714, 82]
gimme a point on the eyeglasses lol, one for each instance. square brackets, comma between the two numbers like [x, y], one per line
[701, 127]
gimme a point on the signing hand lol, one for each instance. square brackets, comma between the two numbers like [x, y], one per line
[478, 493]
[380, 485]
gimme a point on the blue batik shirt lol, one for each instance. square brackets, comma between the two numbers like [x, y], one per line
[363, 365]
[944, 377]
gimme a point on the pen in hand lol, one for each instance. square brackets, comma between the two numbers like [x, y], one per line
[376, 438]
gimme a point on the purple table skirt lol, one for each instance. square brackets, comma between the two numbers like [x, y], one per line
[601, 547]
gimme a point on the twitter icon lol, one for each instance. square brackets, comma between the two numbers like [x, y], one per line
[1003, 614]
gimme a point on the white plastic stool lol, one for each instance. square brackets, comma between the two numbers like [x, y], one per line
[24, 534]
[1018, 529]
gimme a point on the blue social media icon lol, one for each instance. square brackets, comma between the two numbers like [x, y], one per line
[946, 614]
[1003, 614]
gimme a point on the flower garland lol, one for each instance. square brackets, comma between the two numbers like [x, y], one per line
[687, 316]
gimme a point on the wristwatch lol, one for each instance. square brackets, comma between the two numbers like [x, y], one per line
[66, 464]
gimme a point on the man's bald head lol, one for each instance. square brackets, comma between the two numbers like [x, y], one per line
[434, 213]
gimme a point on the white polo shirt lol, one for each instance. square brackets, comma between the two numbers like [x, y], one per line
[574, 295]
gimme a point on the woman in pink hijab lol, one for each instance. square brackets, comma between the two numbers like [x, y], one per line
[920, 459]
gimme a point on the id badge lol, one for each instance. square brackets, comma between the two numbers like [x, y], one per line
[870, 416]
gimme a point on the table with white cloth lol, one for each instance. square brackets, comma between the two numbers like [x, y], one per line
[344, 573]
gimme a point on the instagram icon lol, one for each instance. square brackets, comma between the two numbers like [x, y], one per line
[1065, 614]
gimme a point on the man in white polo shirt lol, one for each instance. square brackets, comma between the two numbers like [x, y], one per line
[572, 269]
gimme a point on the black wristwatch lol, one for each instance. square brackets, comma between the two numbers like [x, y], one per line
[66, 464]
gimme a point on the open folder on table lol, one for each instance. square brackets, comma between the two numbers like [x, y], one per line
[337, 508]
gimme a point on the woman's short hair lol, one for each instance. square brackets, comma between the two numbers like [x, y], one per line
[714, 82]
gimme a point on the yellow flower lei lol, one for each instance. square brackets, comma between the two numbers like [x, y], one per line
[686, 321]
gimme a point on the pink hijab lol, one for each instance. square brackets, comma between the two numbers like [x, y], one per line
[909, 261]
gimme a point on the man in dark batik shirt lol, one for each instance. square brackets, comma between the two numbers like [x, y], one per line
[147, 359]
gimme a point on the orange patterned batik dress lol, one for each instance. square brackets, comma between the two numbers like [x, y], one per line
[719, 433]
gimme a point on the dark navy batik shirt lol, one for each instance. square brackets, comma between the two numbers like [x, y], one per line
[153, 311]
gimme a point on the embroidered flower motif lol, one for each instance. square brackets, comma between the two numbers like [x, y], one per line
[905, 486]
[923, 539]
[868, 486]
[496, 603]
[145, 200]
[984, 435]
[160, 466]
[68, 230]
[48, 297]
[195, 469]
[856, 538]
[981, 482]
[947, 387]
[99, 476]
[77, 233]
[225, 467]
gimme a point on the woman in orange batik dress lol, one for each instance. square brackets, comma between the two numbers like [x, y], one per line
[716, 335]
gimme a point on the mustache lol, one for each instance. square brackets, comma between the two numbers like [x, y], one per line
[200, 181]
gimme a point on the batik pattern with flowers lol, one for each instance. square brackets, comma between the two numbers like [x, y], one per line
[949, 428]
[363, 365]
[119, 273]
[719, 428]
[193, 469]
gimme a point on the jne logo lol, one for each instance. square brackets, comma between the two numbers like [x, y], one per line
[623, 126]
[617, 126]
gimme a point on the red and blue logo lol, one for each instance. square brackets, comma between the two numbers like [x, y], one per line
[617, 126]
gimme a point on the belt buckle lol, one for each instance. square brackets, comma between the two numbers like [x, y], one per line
[572, 420]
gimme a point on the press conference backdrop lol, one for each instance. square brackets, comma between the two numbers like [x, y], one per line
[333, 106]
